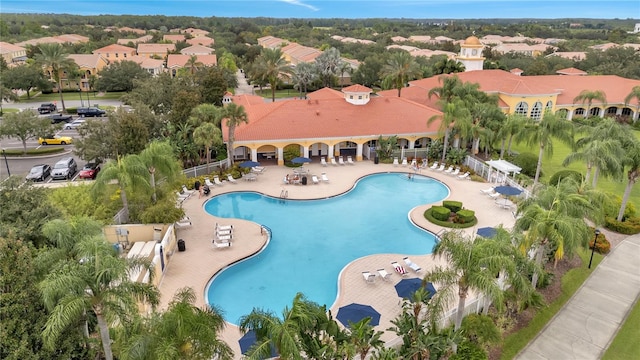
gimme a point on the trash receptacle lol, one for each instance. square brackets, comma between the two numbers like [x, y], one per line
[304, 180]
[196, 185]
[181, 245]
[376, 160]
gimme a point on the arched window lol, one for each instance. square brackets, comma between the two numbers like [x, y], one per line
[536, 111]
[562, 113]
[594, 111]
[627, 112]
[522, 108]
[611, 111]
[549, 105]
[579, 112]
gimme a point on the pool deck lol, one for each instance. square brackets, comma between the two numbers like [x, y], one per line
[196, 266]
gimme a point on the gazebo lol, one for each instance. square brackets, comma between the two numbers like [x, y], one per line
[502, 166]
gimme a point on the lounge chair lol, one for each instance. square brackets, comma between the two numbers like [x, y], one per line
[399, 268]
[187, 191]
[324, 177]
[224, 227]
[216, 180]
[221, 244]
[414, 163]
[182, 197]
[224, 237]
[464, 176]
[455, 172]
[231, 179]
[384, 274]
[449, 170]
[340, 161]
[315, 180]
[411, 264]
[404, 162]
[224, 232]
[333, 162]
[434, 166]
[209, 183]
[441, 168]
[395, 161]
[183, 224]
[488, 191]
[369, 277]
[350, 160]
[495, 195]
[323, 162]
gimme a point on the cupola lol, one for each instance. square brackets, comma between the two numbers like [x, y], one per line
[357, 94]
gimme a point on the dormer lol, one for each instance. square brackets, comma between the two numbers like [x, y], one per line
[227, 98]
[357, 94]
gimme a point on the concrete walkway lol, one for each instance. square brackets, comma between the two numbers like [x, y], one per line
[588, 322]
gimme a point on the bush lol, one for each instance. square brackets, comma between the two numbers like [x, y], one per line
[629, 227]
[528, 162]
[465, 216]
[469, 351]
[481, 330]
[603, 246]
[454, 206]
[446, 223]
[440, 212]
[562, 174]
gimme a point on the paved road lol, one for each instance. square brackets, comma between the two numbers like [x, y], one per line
[584, 328]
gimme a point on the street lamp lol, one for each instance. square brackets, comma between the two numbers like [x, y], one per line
[80, 93]
[595, 241]
[6, 162]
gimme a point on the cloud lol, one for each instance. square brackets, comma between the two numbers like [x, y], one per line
[300, 3]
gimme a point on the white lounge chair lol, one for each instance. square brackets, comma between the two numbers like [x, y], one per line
[324, 177]
[434, 166]
[399, 268]
[411, 264]
[404, 162]
[350, 160]
[414, 163]
[183, 224]
[464, 176]
[216, 180]
[315, 180]
[369, 277]
[323, 162]
[494, 195]
[340, 161]
[224, 227]
[455, 172]
[258, 169]
[224, 232]
[333, 162]
[231, 179]
[182, 196]
[221, 244]
[209, 183]
[224, 237]
[187, 191]
[488, 191]
[384, 274]
[395, 161]
[449, 170]
[441, 168]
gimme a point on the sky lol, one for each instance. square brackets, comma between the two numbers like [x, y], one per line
[352, 9]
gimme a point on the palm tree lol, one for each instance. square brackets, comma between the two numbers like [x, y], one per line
[207, 135]
[542, 132]
[193, 64]
[447, 91]
[304, 74]
[158, 157]
[472, 265]
[508, 130]
[448, 66]
[52, 57]
[131, 174]
[364, 337]
[632, 164]
[270, 65]
[589, 96]
[634, 94]
[183, 331]
[100, 283]
[454, 113]
[235, 115]
[401, 68]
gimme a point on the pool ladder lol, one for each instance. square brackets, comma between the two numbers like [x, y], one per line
[284, 194]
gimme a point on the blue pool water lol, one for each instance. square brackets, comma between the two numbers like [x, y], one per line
[313, 240]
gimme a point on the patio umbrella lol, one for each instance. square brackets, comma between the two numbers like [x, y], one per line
[300, 160]
[356, 312]
[507, 190]
[249, 164]
[487, 232]
[406, 287]
[248, 340]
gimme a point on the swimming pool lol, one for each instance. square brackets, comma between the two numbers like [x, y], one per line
[313, 240]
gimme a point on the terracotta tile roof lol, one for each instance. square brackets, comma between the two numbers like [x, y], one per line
[399, 39]
[179, 60]
[356, 88]
[42, 40]
[603, 47]
[332, 118]
[248, 100]
[571, 55]
[420, 38]
[72, 38]
[325, 93]
[6, 47]
[615, 87]
[197, 50]
[174, 38]
[196, 32]
[429, 53]
[114, 48]
[90, 61]
[141, 39]
[132, 30]
[155, 48]
[403, 47]
[201, 40]
[571, 71]
[145, 62]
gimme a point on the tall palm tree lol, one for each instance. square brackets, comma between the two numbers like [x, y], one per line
[634, 94]
[448, 66]
[207, 135]
[304, 74]
[588, 96]
[447, 91]
[401, 67]
[193, 64]
[52, 57]
[99, 283]
[158, 157]
[235, 115]
[182, 331]
[130, 173]
[632, 165]
[455, 112]
[270, 65]
[542, 132]
[508, 130]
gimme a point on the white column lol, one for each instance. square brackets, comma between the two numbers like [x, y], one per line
[280, 156]
[254, 154]
[330, 153]
[358, 152]
[305, 151]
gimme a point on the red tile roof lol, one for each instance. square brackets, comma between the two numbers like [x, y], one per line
[201, 40]
[114, 48]
[179, 60]
[571, 71]
[356, 88]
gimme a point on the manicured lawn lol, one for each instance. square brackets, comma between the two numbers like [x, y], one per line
[280, 94]
[626, 345]
[554, 164]
[73, 96]
[571, 282]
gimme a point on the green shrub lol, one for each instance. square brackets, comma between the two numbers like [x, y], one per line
[562, 174]
[481, 330]
[440, 212]
[603, 246]
[446, 223]
[466, 216]
[454, 206]
[469, 351]
[629, 227]
[612, 207]
[528, 162]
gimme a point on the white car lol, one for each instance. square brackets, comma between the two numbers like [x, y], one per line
[74, 124]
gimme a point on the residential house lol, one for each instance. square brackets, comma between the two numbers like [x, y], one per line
[89, 65]
[115, 52]
[522, 48]
[571, 72]
[176, 62]
[60, 39]
[571, 55]
[152, 66]
[12, 54]
[201, 40]
[174, 38]
[141, 39]
[197, 50]
[155, 50]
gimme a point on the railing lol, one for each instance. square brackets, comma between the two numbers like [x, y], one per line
[120, 217]
[202, 169]
[483, 170]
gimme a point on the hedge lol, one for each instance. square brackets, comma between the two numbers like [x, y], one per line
[454, 206]
[428, 214]
[629, 227]
[441, 213]
[466, 216]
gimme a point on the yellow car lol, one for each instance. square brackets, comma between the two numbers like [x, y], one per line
[55, 140]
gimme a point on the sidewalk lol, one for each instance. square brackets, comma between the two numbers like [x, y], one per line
[588, 322]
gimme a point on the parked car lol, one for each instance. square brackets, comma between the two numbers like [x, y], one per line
[55, 140]
[39, 172]
[47, 108]
[58, 118]
[74, 124]
[90, 170]
[90, 111]
[64, 169]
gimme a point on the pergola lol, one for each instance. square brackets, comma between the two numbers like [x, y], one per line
[503, 166]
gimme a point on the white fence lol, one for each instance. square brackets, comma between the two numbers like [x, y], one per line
[483, 170]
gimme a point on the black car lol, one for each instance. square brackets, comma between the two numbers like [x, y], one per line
[58, 118]
[90, 111]
[47, 108]
[39, 172]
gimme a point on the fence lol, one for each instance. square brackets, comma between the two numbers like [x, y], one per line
[483, 170]
[202, 169]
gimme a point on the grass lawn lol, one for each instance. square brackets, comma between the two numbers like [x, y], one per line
[9, 110]
[571, 282]
[280, 94]
[93, 96]
[626, 345]
[554, 164]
